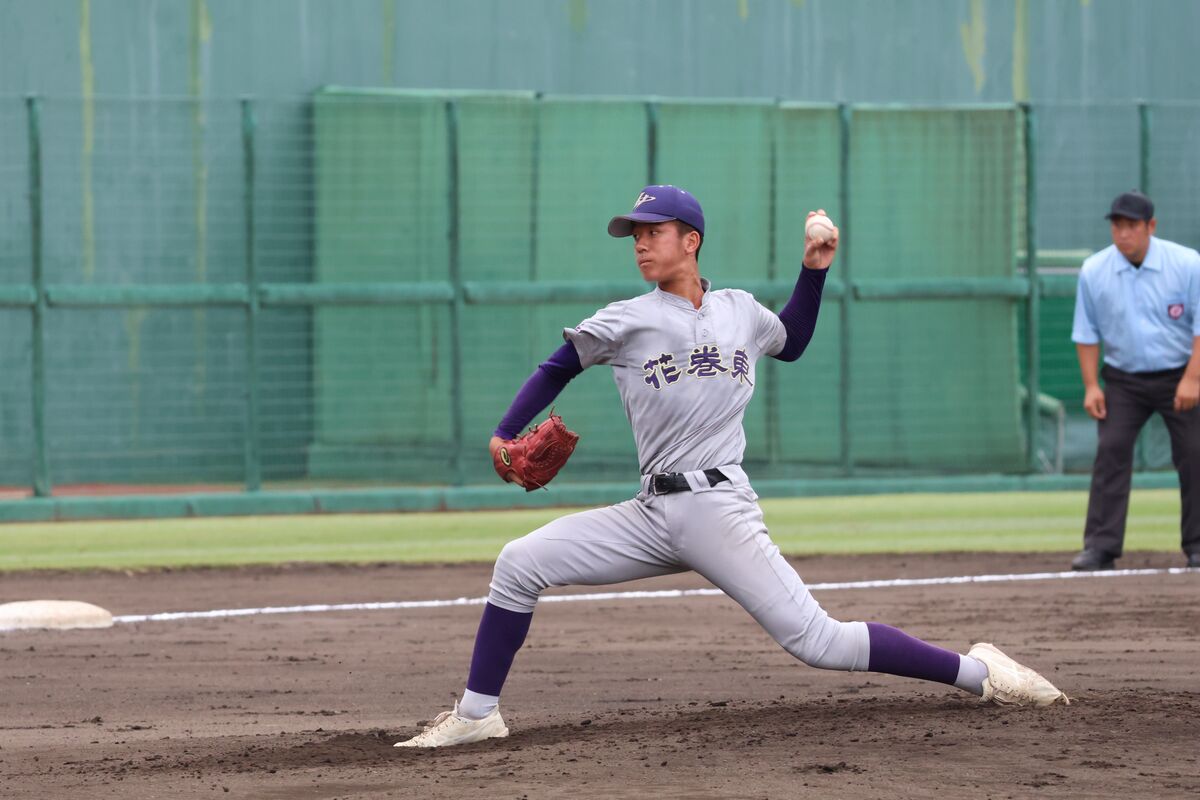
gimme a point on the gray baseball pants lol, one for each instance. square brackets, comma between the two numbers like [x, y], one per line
[718, 531]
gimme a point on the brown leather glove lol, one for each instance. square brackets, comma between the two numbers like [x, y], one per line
[535, 457]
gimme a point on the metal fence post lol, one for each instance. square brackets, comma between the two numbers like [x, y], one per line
[1140, 459]
[1033, 304]
[651, 141]
[457, 310]
[847, 301]
[41, 466]
[774, 419]
[535, 177]
[253, 449]
[1144, 146]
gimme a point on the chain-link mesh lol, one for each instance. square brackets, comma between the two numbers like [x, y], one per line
[16, 275]
[350, 288]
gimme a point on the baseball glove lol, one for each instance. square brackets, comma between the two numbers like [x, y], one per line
[535, 457]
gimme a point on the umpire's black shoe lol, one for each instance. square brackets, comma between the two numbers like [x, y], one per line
[1092, 560]
[1194, 560]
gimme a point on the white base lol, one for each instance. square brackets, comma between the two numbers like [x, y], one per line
[56, 614]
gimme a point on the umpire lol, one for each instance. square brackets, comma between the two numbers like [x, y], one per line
[1139, 297]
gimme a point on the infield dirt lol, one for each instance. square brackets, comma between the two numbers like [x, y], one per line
[664, 698]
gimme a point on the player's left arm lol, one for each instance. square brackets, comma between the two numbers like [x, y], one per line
[538, 392]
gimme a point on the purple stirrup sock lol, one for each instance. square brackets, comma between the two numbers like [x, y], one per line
[501, 634]
[895, 652]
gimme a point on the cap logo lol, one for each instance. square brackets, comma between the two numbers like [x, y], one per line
[643, 198]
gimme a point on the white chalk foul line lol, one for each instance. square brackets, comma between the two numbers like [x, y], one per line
[657, 595]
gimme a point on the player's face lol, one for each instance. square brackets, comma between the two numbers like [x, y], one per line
[662, 251]
[1132, 237]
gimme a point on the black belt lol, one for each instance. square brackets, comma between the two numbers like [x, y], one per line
[1155, 373]
[671, 482]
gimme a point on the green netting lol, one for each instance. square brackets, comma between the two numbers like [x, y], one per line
[284, 251]
[16, 445]
[143, 191]
[934, 382]
[16, 399]
[382, 375]
[1172, 180]
[15, 240]
[808, 176]
[496, 140]
[146, 395]
[1174, 177]
[1059, 375]
[500, 201]
[138, 192]
[1086, 156]
[722, 153]
[592, 159]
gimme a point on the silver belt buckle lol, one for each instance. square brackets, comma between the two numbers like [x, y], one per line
[654, 483]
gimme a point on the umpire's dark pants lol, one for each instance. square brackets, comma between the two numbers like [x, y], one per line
[1130, 398]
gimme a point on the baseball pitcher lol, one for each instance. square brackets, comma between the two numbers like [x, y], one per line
[683, 356]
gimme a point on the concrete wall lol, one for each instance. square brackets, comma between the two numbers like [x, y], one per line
[913, 51]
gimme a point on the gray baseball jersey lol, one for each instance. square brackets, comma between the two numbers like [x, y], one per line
[685, 374]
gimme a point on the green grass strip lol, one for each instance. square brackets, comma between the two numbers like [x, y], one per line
[1007, 521]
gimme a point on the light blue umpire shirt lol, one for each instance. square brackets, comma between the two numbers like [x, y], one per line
[1145, 316]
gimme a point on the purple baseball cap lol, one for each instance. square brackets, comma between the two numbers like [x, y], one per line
[659, 203]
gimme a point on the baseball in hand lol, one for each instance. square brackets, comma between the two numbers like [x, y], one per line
[819, 228]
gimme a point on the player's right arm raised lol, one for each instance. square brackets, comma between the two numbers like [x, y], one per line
[799, 315]
[820, 240]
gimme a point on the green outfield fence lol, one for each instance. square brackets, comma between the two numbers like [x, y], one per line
[267, 305]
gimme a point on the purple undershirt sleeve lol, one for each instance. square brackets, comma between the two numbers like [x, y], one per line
[800, 314]
[539, 391]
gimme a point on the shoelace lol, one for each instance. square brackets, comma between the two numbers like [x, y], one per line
[438, 720]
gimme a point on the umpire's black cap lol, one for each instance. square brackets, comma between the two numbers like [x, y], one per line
[1132, 205]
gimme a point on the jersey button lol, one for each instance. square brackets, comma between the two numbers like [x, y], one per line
[705, 333]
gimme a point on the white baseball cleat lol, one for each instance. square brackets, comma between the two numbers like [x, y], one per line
[450, 729]
[1011, 684]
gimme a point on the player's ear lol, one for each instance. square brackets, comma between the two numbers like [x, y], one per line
[691, 242]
